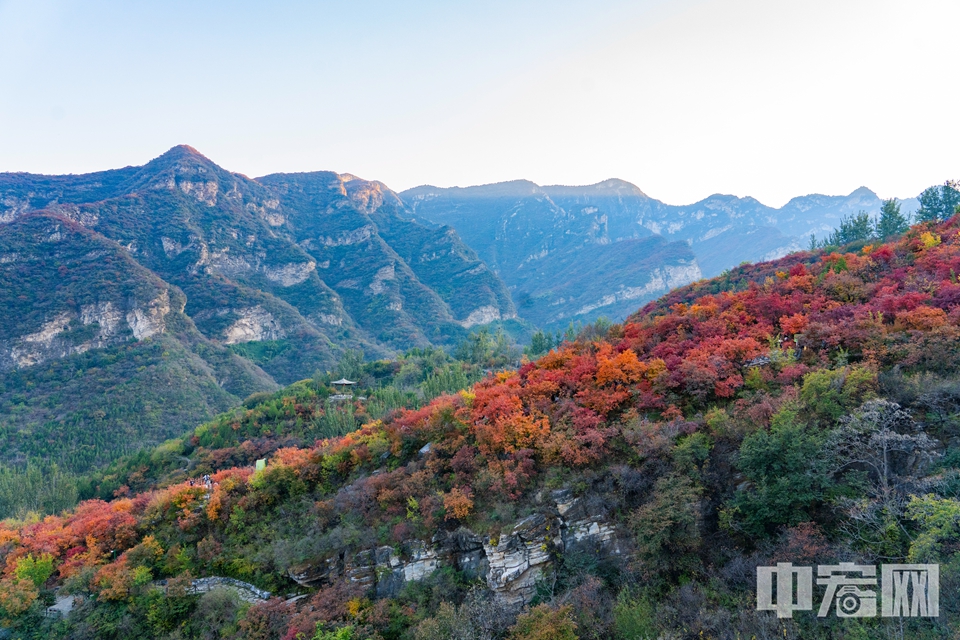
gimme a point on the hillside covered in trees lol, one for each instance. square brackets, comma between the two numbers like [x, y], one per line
[626, 484]
[138, 302]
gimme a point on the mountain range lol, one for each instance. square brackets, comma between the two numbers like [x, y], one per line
[139, 301]
[574, 253]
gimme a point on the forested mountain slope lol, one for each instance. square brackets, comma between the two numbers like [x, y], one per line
[627, 484]
[139, 301]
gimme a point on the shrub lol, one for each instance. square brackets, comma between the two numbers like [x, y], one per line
[544, 623]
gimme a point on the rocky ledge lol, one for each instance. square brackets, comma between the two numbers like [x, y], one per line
[511, 564]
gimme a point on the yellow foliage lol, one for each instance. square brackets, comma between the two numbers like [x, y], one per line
[354, 607]
[929, 239]
[16, 596]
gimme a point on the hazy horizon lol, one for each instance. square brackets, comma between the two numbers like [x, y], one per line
[683, 99]
[488, 184]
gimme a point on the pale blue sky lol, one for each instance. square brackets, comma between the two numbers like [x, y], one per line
[683, 98]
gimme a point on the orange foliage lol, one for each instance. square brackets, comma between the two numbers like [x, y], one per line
[458, 503]
[794, 324]
[112, 581]
[624, 368]
[923, 318]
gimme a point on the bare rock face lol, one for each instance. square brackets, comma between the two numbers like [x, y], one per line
[346, 238]
[11, 208]
[254, 324]
[55, 339]
[383, 275]
[585, 530]
[205, 192]
[519, 560]
[73, 212]
[661, 280]
[288, 275]
[482, 315]
[149, 320]
[34, 348]
[105, 314]
[511, 564]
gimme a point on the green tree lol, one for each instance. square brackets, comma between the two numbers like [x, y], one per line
[891, 221]
[487, 351]
[539, 344]
[829, 394]
[343, 633]
[36, 570]
[635, 616]
[938, 519]
[782, 464]
[667, 527]
[939, 203]
[350, 365]
[852, 229]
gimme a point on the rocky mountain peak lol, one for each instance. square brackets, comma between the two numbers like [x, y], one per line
[180, 152]
[863, 192]
[182, 160]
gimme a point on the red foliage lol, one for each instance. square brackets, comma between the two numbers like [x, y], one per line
[682, 354]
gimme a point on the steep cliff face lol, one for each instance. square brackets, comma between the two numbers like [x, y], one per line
[512, 563]
[403, 282]
[98, 350]
[107, 323]
[565, 255]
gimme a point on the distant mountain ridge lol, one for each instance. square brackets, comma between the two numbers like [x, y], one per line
[531, 235]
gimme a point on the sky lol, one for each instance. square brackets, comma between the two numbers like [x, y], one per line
[686, 98]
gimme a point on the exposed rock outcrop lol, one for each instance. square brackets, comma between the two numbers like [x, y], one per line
[57, 337]
[287, 275]
[346, 238]
[244, 590]
[511, 563]
[149, 320]
[661, 280]
[205, 192]
[483, 315]
[254, 324]
[383, 275]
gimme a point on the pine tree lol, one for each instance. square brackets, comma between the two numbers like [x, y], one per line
[540, 344]
[852, 229]
[891, 222]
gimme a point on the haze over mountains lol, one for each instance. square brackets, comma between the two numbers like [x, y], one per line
[573, 253]
[140, 301]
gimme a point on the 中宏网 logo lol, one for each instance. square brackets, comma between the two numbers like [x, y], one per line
[850, 590]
